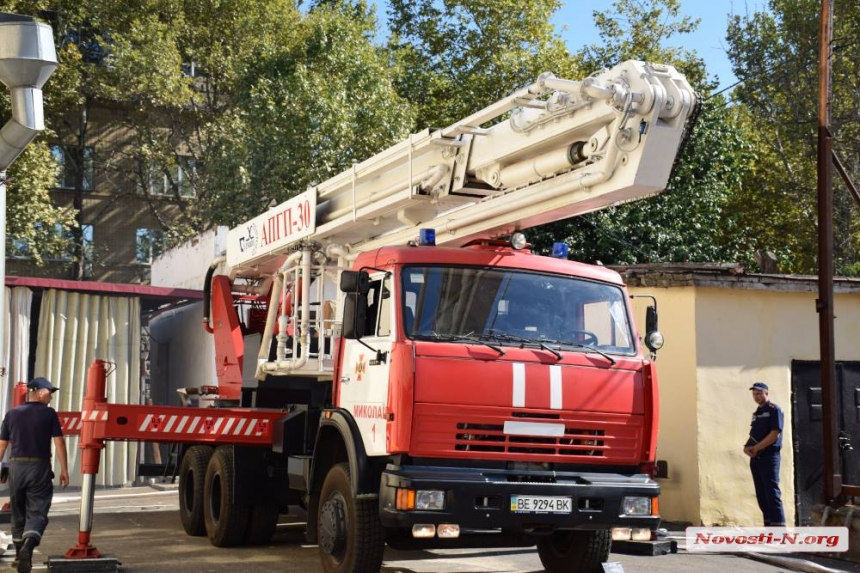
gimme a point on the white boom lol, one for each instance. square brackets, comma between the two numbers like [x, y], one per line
[565, 148]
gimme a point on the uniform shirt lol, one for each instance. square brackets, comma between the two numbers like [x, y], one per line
[766, 419]
[30, 428]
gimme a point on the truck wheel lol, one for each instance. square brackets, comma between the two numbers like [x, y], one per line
[262, 522]
[226, 521]
[192, 476]
[350, 534]
[574, 551]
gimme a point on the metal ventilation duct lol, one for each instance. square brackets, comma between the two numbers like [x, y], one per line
[27, 60]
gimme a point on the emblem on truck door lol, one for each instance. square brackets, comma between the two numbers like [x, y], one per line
[360, 367]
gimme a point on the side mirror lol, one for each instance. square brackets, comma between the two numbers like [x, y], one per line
[651, 319]
[355, 282]
[354, 315]
[653, 338]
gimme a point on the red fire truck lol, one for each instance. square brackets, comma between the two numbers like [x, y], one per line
[394, 359]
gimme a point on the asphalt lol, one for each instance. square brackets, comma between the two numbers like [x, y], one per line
[140, 528]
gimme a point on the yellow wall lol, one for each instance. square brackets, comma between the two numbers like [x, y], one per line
[719, 341]
[676, 371]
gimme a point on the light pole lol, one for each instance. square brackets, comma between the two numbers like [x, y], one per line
[27, 60]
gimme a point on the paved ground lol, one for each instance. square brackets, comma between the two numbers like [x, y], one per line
[141, 528]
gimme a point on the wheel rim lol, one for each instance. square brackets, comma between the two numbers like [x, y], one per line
[188, 490]
[215, 499]
[333, 526]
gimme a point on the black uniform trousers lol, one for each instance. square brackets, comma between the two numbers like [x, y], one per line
[765, 472]
[31, 490]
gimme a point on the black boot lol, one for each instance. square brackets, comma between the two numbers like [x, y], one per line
[17, 545]
[25, 555]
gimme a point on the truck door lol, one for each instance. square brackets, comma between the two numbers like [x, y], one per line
[364, 375]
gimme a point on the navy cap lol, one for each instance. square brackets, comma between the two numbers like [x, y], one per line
[759, 386]
[41, 384]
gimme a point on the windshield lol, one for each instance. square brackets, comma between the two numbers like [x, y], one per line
[509, 306]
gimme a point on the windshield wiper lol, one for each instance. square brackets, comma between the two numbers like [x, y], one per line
[523, 341]
[463, 337]
[586, 347]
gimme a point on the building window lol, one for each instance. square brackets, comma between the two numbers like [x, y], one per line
[70, 164]
[21, 247]
[150, 244]
[192, 70]
[182, 175]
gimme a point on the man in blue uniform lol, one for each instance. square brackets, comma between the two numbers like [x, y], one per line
[27, 430]
[763, 447]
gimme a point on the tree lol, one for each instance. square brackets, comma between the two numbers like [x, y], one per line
[458, 56]
[775, 54]
[218, 107]
[309, 110]
[34, 226]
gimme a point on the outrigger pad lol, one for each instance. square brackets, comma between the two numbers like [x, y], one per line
[62, 564]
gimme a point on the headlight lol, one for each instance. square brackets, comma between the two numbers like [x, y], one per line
[430, 499]
[518, 241]
[654, 341]
[636, 506]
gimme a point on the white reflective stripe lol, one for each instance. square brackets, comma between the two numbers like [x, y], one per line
[182, 422]
[519, 385]
[217, 425]
[193, 424]
[145, 422]
[229, 425]
[555, 387]
[251, 427]
[239, 427]
[170, 423]
[104, 416]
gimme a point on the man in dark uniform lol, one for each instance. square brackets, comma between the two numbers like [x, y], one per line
[763, 447]
[29, 428]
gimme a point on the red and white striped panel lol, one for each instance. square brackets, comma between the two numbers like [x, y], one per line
[70, 422]
[203, 425]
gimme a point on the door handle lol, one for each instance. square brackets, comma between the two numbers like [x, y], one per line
[344, 379]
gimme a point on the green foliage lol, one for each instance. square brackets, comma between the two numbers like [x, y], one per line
[459, 56]
[776, 54]
[309, 110]
[30, 215]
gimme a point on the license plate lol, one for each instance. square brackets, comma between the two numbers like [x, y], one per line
[540, 504]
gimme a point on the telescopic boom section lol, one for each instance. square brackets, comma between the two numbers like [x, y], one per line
[555, 149]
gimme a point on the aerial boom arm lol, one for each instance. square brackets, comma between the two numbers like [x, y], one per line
[554, 149]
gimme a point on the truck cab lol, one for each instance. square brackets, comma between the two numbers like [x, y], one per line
[507, 393]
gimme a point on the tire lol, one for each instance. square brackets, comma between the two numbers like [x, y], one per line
[192, 477]
[349, 531]
[262, 522]
[226, 521]
[575, 551]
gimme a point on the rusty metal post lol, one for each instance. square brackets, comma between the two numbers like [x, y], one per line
[824, 305]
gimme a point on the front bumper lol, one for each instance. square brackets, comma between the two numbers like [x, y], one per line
[481, 498]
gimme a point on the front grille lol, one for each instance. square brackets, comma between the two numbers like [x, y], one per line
[470, 432]
[491, 438]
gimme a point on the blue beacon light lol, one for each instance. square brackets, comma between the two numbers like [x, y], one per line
[427, 237]
[560, 250]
